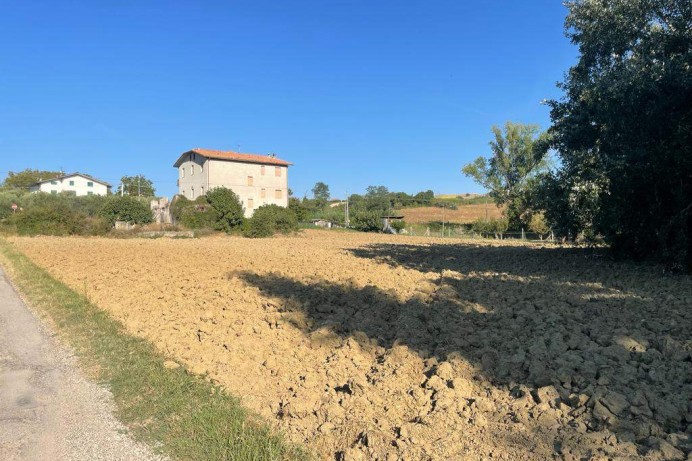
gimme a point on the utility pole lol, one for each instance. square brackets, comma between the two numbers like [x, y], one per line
[122, 189]
[346, 220]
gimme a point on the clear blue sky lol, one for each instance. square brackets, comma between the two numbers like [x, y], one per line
[355, 93]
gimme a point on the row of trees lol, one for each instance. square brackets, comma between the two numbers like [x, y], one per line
[621, 135]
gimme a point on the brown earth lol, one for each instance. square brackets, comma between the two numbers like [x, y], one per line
[462, 215]
[385, 348]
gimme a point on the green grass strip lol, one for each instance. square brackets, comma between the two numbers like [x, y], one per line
[181, 415]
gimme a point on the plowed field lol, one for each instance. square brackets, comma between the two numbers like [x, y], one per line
[464, 214]
[386, 348]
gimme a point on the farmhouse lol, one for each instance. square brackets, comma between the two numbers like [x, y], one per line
[75, 183]
[257, 179]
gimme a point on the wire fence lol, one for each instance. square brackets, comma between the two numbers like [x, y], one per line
[465, 232]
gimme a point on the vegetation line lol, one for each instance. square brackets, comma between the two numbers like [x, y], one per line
[182, 416]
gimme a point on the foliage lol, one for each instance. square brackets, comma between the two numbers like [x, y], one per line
[197, 214]
[624, 126]
[46, 220]
[518, 155]
[366, 221]
[128, 209]
[7, 199]
[138, 185]
[298, 208]
[491, 226]
[228, 211]
[321, 192]
[538, 224]
[27, 178]
[398, 225]
[267, 220]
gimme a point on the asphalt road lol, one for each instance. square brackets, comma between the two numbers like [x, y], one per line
[48, 409]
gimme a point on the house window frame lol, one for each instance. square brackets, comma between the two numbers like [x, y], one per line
[277, 171]
[90, 183]
[278, 194]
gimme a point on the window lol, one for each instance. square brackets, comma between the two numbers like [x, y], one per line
[54, 192]
[262, 168]
[277, 171]
[263, 193]
[90, 193]
[71, 183]
[278, 194]
[192, 157]
[55, 183]
[250, 180]
[192, 170]
[182, 172]
[250, 204]
[90, 184]
[192, 193]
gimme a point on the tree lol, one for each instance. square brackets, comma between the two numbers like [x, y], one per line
[623, 128]
[127, 209]
[26, 178]
[518, 156]
[138, 185]
[321, 192]
[228, 210]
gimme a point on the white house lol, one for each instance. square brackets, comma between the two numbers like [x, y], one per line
[76, 183]
[257, 179]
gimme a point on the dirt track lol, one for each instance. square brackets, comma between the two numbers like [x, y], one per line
[374, 347]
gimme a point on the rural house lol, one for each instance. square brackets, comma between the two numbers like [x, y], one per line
[257, 179]
[75, 183]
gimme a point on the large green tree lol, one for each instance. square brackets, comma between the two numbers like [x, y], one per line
[26, 178]
[228, 209]
[623, 128]
[518, 155]
[138, 185]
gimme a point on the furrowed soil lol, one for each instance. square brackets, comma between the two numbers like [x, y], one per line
[385, 348]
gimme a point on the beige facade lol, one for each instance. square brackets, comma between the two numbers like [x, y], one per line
[76, 183]
[258, 180]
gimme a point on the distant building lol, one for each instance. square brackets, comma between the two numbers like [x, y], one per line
[76, 183]
[257, 179]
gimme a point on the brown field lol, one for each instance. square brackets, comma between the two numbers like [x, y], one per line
[462, 215]
[389, 348]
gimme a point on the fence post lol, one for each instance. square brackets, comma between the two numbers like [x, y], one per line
[523, 236]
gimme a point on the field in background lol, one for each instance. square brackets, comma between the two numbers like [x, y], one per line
[366, 346]
[462, 215]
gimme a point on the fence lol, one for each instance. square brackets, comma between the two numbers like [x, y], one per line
[465, 232]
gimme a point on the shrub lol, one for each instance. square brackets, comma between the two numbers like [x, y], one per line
[270, 219]
[491, 226]
[538, 224]
[398, 225]
[128, 209]
[43, 220]
[366, 221]
[228, 211]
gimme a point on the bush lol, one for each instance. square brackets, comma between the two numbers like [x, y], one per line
[366, 221]
[270, 219]
[128, 209]
[398, 225]
[491, 226]
[197, 214]
[60, 220]
[227, 209]
[538, 224]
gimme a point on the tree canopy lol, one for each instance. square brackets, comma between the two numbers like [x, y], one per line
[623, 129]
[321, 192]
[138, 185]
[26, 178]
[518, 155]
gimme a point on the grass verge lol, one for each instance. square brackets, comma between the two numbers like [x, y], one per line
[179, 414]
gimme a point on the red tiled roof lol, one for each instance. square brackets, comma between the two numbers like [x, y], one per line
[236, 156]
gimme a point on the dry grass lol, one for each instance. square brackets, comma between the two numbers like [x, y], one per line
[463, 215]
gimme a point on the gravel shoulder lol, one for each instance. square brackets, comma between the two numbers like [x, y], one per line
[48, 408]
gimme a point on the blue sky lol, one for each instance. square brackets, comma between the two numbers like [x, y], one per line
[354, 93]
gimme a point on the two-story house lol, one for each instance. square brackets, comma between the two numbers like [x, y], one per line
[257, 179]
[75, 183]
